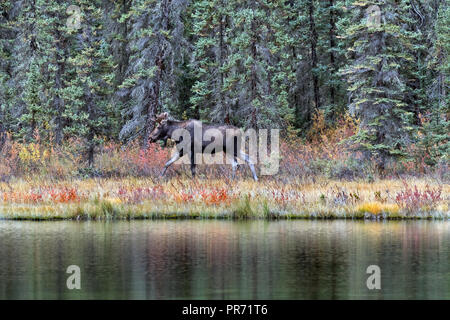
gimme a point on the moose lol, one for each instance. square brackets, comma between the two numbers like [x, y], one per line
[166, 128]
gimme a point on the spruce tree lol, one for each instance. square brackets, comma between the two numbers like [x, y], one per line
[210, 60]
[379, 49]
[34, 118]
[436, 130]
[259, 64]
[5, 69]
[156, 39]
[88, 108]
[39, 54]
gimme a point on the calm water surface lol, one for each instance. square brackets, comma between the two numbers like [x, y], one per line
[225, 260]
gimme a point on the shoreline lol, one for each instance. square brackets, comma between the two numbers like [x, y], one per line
[140, 198]
[158, 217]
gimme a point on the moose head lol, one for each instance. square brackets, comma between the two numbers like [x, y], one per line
[161, 128]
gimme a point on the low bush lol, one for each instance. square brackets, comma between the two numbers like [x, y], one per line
[412, 199]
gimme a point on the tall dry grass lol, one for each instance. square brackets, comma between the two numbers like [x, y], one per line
[324, 153]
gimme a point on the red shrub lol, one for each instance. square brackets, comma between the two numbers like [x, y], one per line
[215, 196]
[64, 195]
[412, 199]
[138, 195]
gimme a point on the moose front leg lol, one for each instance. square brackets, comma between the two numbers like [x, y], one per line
[246, 158]
[176, 156]
[193, 164]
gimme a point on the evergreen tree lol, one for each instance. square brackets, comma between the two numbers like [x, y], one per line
[259, 64]
[115, 30]
[309, 31]
[436, 130]
[19, 40]
[88, 108]
[157, 37]
[379, 49]
[334, 90]
[211, 26]
[39, 67]
[251, 63]
[5, 73]
[34, 117]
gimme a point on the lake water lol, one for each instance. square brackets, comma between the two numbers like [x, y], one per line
[225, 260]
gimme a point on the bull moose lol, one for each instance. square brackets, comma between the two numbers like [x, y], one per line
[232, 137]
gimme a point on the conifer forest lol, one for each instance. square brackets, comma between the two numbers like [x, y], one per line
[359, 90]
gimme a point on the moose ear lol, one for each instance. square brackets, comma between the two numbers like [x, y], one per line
[162, 116]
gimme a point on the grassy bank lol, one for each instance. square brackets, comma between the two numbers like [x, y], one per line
[321, 177]
[140, 198]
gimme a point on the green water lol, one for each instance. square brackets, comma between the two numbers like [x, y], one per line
[225, 260]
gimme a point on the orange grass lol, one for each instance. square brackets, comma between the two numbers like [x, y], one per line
[214, 198]
[319, 177]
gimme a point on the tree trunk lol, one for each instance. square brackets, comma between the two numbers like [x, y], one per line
[332, 46]
[58, 102]
[313, 37]
[223, 107]
[91, 134]
[2, 134]
[152, 108]
[253, 93]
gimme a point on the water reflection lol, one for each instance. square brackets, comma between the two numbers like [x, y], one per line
[224, 260]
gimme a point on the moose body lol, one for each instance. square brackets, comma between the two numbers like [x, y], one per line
[200, 139]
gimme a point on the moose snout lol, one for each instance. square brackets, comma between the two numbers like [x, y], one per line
[153, 138]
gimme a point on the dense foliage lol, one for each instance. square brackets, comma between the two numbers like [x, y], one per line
[101, 71]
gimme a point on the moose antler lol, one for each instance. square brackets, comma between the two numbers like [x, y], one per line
[161, 117]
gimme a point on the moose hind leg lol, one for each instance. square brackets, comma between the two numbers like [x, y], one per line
[234, 165]
[193, 165]
[193, 170]
[250, 164]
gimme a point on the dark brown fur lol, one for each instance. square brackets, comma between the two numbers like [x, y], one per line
[165, 129]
